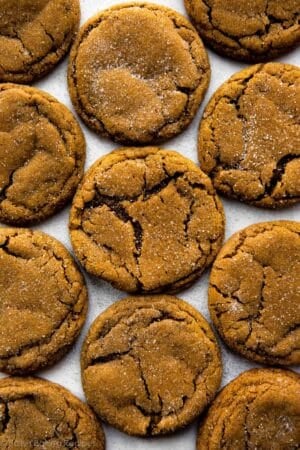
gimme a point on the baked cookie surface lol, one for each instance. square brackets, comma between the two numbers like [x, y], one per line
[254, 292]
[43, 300]
[150, 365]
[138, 73]
[250, 31]
[36, 413]
[146, 220]
[249, 136]
[42, 153]
[259, 409]
[34, 36]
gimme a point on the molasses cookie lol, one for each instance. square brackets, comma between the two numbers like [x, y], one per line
[254, 293]
[34, 36]
[150, 365]
[146, 220]
[247, 30]
[260, 162]
[42, 154]
[138, 73]
[43, 300]
[260, 409]
[35, 413]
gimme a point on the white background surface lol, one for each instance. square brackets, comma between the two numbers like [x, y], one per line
[101, 294]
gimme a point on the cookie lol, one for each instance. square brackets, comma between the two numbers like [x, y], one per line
[146, 220]
[43, 300]
[34, 36]
[150, 365]
[259, 163]
[247, 31]
[36, 413]
[254, 292]
[260, 409]
[138, 73]
[42, 153]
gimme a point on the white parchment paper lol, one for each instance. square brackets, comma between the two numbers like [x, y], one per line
[101, 294]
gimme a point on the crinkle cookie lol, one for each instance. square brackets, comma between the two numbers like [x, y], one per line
[249, 136]
[146, 220]
[138, 73]
[252, 31]
[34, 36]
[42, 154]
[260, 409]
[254, 292]
[43, 300]
[150, 365]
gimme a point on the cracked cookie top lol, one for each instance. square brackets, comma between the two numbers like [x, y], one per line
[34, 36]
[259, 163]
[259, 409]
[138, 73]
[42, 154]
[38, 414]
[146, 220]
[254, 292]
[252, 31]
[150, 365]
[43, 300]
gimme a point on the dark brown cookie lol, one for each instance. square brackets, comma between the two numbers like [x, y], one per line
[146, 220]
[249, 137]
[254, 293]
[37, 414]
[150, 365]
[138, 73]
[42, 154]
[34, 36]
[43, 300]
[260, 409]
[245, 30]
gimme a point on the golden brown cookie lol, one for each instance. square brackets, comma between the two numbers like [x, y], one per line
[260, 409]
[42, 154]
[249, 137]
[150, 365]
[253, 31]
[138, 73]
[34, 36]
[254, 293]
[43, 300]
[38, 414]
[146, 220]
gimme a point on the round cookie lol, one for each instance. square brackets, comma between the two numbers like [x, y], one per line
[146, 220]
[260, 163]
[254, 292]
[34, 36]
[259, 409]
[150, 365]
[43, 300]
[36, 413]
[42, 153]
[138, 73]
[250, 31]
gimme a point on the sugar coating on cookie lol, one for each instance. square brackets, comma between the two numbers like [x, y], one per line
[42, 153]
[138, 73]
[254, 292]
[250, 31]
[146, 220]
[150, 365]
[249, 136]
[35, 413]
[34, 36]
[259, 409]
[43, 300]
